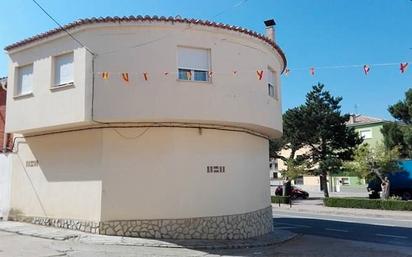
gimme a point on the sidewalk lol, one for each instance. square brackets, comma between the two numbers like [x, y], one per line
[316, 206]
[276, 237]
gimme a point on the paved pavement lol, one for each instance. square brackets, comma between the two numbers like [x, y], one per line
[14, 245]
[64, 234]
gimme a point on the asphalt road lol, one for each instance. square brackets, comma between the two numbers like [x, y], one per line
[360, 229]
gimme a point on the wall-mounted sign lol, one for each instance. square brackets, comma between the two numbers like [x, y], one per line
[215, 169]
[34, 163]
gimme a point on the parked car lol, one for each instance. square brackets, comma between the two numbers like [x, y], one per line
[401, 183]
[296, 192]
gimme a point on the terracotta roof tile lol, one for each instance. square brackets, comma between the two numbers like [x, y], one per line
[140, 18]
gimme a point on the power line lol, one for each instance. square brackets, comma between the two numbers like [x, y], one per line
[229, 8]
[61, 27]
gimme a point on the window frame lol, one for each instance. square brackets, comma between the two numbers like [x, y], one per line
[365, 130]
[194, 70]
[273, 88]
[54, 84]
[17, 81]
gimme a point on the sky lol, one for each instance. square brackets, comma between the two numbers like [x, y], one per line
[312, 33]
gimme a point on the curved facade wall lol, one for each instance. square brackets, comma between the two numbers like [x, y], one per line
[158, 156]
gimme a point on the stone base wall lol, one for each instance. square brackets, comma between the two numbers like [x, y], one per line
[81, 225]
[237, 226]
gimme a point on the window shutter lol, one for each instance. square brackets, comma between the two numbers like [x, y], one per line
[270, 76]
[193, 58]
[64, 69]
[25, 84]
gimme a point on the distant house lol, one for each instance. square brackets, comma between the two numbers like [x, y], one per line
[368, 127]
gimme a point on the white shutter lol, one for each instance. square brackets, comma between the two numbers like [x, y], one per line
[270, 77]
[193, 58]
[25, 84]
[63, 69]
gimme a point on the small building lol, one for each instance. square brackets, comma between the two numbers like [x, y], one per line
[145, 126]
[369, 128]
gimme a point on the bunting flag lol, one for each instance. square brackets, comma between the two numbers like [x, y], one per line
[403, 67]
[259, 74]
[105, 75]
[366, 69]
[125, 76]
[312, 71]
[146, 76]
[287, 71]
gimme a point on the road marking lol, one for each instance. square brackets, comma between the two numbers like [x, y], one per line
[336, 229]
[293, 225]
[393, 236]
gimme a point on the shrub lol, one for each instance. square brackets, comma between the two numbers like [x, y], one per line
[282, 199]
[368, 203]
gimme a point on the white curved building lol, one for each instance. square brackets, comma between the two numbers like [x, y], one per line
[150, 126]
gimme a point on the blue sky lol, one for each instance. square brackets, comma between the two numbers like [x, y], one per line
[312, 33]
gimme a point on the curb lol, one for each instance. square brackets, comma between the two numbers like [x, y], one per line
[273, 238]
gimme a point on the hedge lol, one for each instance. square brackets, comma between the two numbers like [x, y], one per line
[282, 199]
[361, 203]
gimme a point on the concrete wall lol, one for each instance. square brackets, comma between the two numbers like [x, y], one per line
[163, 173]
[138, 173]
[47, 107]
[66, 183]
[237, 100]
[5, 184]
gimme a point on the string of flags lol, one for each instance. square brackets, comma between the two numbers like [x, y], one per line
[403, 66]
[125, 76]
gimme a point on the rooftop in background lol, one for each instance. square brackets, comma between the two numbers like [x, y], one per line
[358, 119]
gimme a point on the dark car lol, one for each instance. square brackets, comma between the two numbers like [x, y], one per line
[295, 194]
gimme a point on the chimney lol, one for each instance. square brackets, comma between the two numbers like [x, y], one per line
[270, 30]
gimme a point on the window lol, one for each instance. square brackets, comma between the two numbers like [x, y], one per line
[63, 69]
[365, 133]
[25, 80]
[272, 86]
[193, 64]
[345, 181]
[299, 180]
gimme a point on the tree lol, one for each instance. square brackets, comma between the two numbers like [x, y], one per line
[400, 135]
[329, 139]
[292, 140]
[319, 126]
[376, 162]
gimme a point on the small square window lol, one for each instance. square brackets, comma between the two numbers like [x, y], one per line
[25, 80]
[365, 133]
[193, 64]
[63, 69]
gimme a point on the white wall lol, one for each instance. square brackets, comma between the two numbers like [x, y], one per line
[240, 100]
[102, 174]
[162, 174]
[5, 183]
[67, 181]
